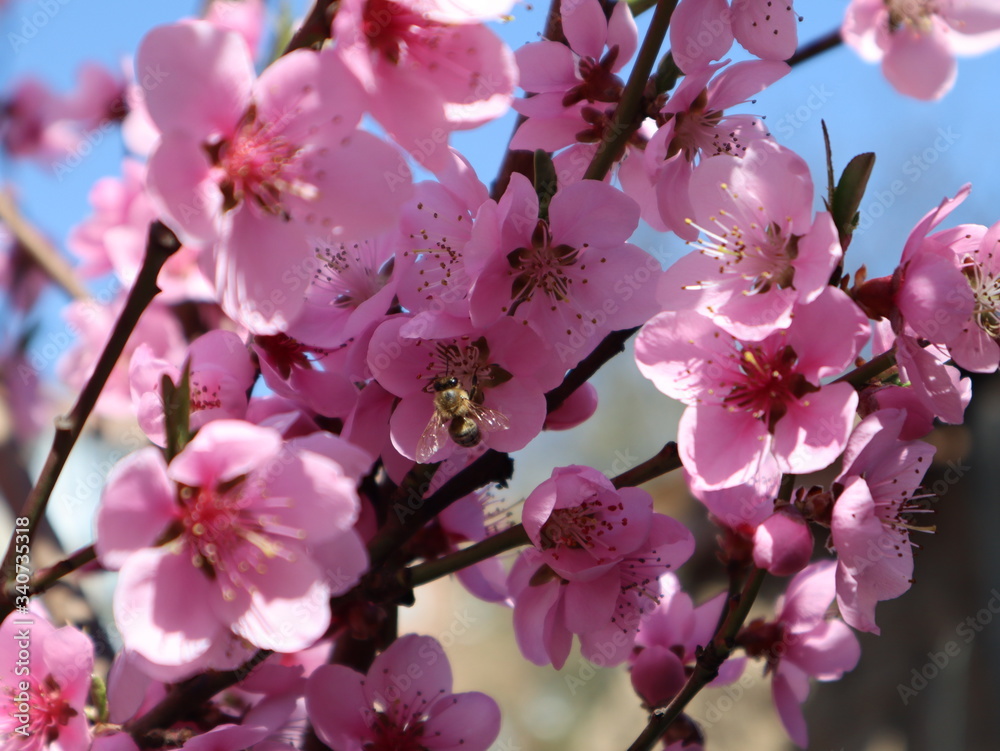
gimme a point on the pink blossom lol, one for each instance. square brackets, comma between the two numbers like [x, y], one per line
[405, 702]
[255, 165]
[436, 272]
[757, 408]
[872, 515]
[603, 606]
[974, 250]
[571, 277]
[114, 238]
[97, 98]
[783, 543]
[932, 294]
[579, 407]
[426, 67]
[946, 287]
[221, 373]
[939, 388]
[260, 536]
[582, 524]
[351, 289]
[761, 251]
[801, 643]
[694, 127]
[575, 85]
[668, 641]
[310, 376]
[32, 124]
[497, 367]
[49, 713]
[246, 17]
[703, 30]
[916, 40]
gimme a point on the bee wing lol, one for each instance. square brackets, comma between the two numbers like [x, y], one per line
[488, 418]
[433, 437]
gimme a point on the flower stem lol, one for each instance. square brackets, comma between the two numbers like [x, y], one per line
[710, 658]
[627, 117]
[162, 243]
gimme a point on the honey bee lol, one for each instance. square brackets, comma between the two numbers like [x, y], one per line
[457, 414]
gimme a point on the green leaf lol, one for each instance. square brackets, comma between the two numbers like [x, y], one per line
[99, 698]
[848, 194]
[177, 411]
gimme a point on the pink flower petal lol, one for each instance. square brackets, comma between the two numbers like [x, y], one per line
[700, 31]
[249, 447]
[585, 27]
[337, 705]
[766, 29]
[920, 65]
[411, 670]
[466, 722]
[183, 188]
[162, 608]
[138, 504]
[197, 77]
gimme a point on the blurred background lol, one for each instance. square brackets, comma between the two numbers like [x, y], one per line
[911, 691]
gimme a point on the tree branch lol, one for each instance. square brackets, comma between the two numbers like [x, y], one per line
[407, 518]
[627, 117]
[162, 243]
[316, 27]
[667, 460]
[190, 693]
[613, 344]
[816, 47]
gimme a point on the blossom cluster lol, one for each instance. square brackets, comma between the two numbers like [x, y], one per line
[337, 345]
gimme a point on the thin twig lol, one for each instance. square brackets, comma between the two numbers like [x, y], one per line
[667, 460]
[513, 537]
[816, 47]
[315, 29]
[40, 250]
[613, 344]
[709, 659]
[49, 576]
[628, 115]
[190, 693]
[162, 243]
[859, 377]
[405, 520]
